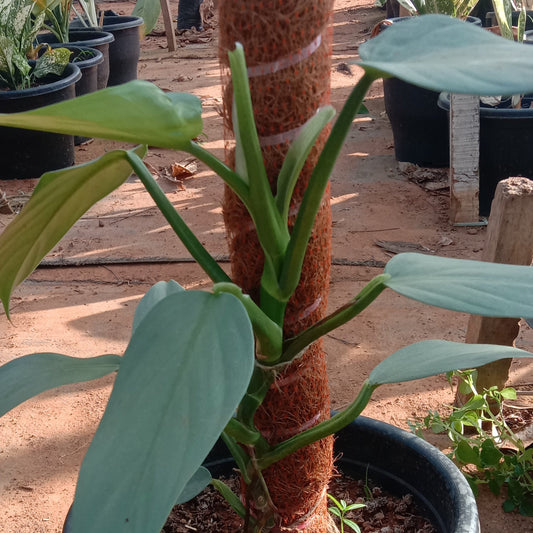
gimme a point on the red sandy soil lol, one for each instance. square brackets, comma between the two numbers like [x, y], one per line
[123, 246]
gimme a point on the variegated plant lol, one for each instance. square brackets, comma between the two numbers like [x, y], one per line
[456, 8]
[18, 29]
[57, 16]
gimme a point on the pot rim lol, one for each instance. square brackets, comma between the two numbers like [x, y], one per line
[71, 75]
[491, 112]
[96, 58]
[121, 22]
[84, 37]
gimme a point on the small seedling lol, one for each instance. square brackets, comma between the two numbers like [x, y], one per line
[484, 446]
[340, 509]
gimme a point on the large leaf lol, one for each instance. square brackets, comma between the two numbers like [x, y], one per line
[475, 287]
[185, 370]
[157, 292]
[445, 54]
[428, 358]
[59, 200]
[149, 11]
[198, 482]
[137, 112]
[30, 375]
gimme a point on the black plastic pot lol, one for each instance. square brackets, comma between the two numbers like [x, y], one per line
[124, 51]
[491, 19]
[419, 127]
[28, 153]
[99, 40]
[505, 141]
[88, 61]
[400, 462]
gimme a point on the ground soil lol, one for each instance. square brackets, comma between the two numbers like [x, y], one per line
[81, 300]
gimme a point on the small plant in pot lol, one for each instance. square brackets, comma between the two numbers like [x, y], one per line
[31, 77]
[18, 30]
[57, 17]
[183, 383]
[419, 126]
[124, 50]
[505, 121]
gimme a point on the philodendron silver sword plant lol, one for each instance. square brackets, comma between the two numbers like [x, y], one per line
[181, 384]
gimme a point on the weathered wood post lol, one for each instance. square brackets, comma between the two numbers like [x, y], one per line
[509, 240]
[464, 158]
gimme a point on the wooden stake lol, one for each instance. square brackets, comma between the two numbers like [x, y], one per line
[169, 27]
[510, 241]
[464, 158]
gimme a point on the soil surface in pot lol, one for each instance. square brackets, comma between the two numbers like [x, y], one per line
[81, 301]
[209, 512]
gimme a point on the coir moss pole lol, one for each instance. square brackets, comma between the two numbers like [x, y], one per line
[287, 44]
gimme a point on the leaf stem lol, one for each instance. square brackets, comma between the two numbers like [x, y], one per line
[342, 315]
[269, 334]
[320, 431]
[294, 257]
[191, 242]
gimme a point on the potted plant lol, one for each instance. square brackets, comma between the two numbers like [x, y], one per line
[88, 60]
[124, 50]
[183, 383]
[29, 81]
[505, 121]
[57, 15]
[419, 127]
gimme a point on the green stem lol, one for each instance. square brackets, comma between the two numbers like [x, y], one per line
[320, 431]
[257, 389]
[294, 257]
[238, 431]
[369, 293]
[269, 334]
[241, 459]
[273, 308]
[272, 233]
[193, 245]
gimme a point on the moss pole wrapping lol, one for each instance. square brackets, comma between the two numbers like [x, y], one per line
[287, 44]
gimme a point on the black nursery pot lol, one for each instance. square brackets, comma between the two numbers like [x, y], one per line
[419, 127]
[99, 40]
[88, 61]
[400, 462]
[124, 51]
[505, 141]
[491, 19]
[28, 153]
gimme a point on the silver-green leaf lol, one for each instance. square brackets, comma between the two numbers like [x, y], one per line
[27, 376]
[475, 287]
[198, 482]
[156, 293]
[443, 53]
[184, 372]
[428, 358]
